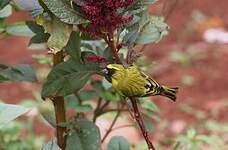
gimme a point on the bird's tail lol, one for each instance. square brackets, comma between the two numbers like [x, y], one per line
[169, 92]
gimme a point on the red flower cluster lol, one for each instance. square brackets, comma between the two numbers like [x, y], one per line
[103, 15]
[95, 58]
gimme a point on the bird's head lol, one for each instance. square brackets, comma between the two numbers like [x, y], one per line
[110, 70]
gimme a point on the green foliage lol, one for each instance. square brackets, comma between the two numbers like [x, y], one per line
[56, 29]
[193, 141]
[3, 3]
[20, 72]
[6, 11]
[77, 103]
[118, 143]
[51, 145]
[11, 139]
[68, 77]
[83, 134]
[73, 47]
[152, 30]
[64, 12]
[18, 29]
[9, 112]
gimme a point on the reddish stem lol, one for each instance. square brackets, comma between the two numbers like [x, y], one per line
[140, 122]
[60, 112]
[112, 45]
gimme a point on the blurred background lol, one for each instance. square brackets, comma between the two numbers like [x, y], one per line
[193, 56]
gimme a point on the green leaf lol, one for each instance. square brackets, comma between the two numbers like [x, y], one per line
[87, 95]
[2, 28]
[6, 11]
[130, 38]
[3, 3]
[148, 2]
[9, 112]
[39, 38]
[148, 104]
[148, 124]
[108, 54]
[73, 46]
[84, 108]
[19, 29]
[34, 27]
[68, 77]
[73, 102]
[118, 143]
[64, 12]
[21, 72]
[42, 59]
[152, 30]
[59, 32]
[51, 145]
[86, 136]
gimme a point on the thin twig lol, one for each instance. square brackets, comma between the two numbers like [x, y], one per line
[112, 45]
[112, 124]
[104, 105]
[100, 109]
[97, 109]
[140, 122]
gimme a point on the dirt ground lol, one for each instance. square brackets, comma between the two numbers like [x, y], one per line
[202, 80]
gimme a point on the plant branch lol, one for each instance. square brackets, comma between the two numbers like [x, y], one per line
[96, 111]
[111, 43]
[140, 122]
[60, 112]
[112, 124]
[100, 110]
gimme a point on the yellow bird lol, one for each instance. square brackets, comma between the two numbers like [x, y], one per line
[131, 82]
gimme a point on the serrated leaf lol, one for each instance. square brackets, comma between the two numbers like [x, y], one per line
[73, 46]
[118, 143]
[21, 72]
[3, 3]
[64, 12]
[6, 11]
[152, 31]
[9, 112]
[51, 145]
[68, 77]
[86, 136]
[19, 29]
